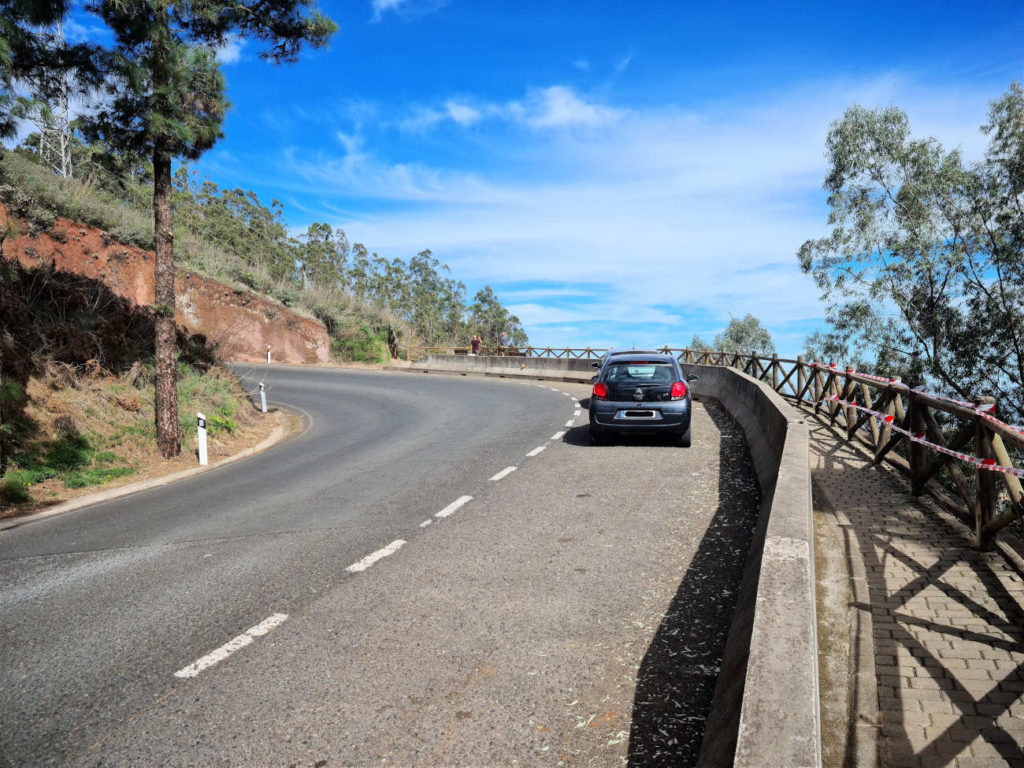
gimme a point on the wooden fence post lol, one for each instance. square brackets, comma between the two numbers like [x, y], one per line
[800, 377]
[985, 506]
[916, 450]
[816, 388]
[849, 412]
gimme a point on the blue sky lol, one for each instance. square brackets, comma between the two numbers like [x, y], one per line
[621, 173]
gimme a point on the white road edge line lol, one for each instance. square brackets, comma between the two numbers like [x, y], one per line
[505, 471]
[372, 558]
[215, 657]
[536, 450]
[453, 506]
[558, 435]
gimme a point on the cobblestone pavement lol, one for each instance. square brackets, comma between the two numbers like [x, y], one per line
[945, 619]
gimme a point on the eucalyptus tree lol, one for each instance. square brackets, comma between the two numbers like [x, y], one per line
[323, 257]
[744, 335]
[925, 260]
[489, 318]
[166, 98]
[37, 66]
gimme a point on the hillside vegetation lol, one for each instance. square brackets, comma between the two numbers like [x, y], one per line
[76, 400]
[230, 236]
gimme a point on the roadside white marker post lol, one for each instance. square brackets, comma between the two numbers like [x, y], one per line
[268, 354]
[263, 397]
[201, 429]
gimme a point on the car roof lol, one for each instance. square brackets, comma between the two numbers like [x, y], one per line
[638, 356]
[617, 352]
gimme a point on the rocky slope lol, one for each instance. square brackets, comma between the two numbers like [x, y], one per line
[240, 323]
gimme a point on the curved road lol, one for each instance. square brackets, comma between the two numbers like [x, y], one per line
[374, 634]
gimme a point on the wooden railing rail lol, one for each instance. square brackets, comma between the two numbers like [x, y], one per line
[991, 497]
[569, 353]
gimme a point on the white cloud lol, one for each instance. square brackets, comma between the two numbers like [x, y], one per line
[556, 106]
[582, 65]
[380, 7]
[231, 51]
[672, 213]
[406, 8]
[463, 114]
[559, 106]
[622, 63]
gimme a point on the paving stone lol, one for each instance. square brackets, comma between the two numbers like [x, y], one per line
[947, 621]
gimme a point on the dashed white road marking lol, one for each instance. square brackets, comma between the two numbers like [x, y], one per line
[454, 506]
[536, 450]
[426, 522]
[503, 473]
[576, 413]
[244, 639]
[372, 558]
[571, 423]
[558, 435]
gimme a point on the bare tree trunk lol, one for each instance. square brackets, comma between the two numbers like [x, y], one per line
[168, 439]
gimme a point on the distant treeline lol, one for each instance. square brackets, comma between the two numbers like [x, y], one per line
[229, 235]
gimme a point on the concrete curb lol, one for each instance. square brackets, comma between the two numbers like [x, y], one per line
[277, 436]
[766, 709]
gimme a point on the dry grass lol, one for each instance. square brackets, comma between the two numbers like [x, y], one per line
[96, 430]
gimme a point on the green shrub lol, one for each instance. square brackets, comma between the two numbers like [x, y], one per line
[69, 453]
[15, 485]
[358, 344]
[95, 476]
[216, 424]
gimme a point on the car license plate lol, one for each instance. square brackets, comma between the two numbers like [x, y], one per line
[636, 414]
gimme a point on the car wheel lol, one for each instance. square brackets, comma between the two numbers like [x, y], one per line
[684, 439]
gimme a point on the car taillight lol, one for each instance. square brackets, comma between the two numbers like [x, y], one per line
[600, 391]
[678, 391]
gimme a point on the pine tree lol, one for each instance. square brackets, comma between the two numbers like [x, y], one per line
[166, 98]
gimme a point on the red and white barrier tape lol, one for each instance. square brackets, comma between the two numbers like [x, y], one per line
[888, 419]
[985, 411]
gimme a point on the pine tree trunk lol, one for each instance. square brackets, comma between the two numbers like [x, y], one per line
[168, 439]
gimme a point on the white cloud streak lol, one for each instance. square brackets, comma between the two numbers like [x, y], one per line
[697, 211]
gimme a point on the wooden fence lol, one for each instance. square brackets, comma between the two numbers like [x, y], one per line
[571, 353]
[929, 437]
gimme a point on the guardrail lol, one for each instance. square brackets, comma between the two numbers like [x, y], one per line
[925, 435]
[568, 353]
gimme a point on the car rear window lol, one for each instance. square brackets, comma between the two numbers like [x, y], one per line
[654, 372]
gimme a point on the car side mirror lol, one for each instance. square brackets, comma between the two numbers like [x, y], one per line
[693, 378]
[595, 365]
[593, 378]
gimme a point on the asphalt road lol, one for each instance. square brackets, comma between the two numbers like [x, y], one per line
[570, 611]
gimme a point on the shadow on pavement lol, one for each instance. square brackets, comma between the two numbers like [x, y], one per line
[677, 677]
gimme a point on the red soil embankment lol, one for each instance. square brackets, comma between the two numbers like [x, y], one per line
[240, 323]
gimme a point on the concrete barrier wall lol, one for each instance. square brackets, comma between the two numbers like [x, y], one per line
[511, 366]
[766, 705]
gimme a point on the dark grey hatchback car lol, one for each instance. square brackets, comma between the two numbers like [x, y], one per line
[640, 393]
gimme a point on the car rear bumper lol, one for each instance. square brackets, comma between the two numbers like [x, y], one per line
[610, 416]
